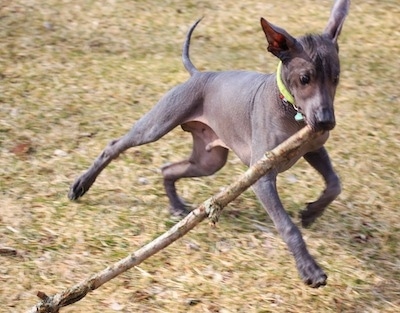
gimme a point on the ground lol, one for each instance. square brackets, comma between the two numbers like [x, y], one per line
[76, 74]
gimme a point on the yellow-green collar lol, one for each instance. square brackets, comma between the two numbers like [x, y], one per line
[285, 94]
[282, 88]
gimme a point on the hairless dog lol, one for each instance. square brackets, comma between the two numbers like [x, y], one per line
[250, 113]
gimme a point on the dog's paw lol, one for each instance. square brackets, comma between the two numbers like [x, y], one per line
[78, 189]
[310, 214]
[178, 212]
[312, 275]
[178, 207]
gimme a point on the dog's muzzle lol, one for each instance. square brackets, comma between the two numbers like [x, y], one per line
[324, 120]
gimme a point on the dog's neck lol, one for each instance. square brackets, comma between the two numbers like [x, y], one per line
[285, 94]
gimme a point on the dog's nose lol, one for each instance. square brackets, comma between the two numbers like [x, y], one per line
[325, 119]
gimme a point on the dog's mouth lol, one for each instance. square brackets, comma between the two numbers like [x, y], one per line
[317, 125]
[325, 126]
[322, 120]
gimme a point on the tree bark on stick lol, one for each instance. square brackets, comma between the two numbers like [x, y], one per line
[210, 208]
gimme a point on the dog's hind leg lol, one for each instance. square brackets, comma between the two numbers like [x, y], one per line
[169, 112]
[206, 159]
[319, 160]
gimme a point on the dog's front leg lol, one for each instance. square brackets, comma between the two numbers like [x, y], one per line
[319, 159]
[309, 270]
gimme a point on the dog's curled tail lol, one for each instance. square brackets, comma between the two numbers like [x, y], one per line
[185, 52]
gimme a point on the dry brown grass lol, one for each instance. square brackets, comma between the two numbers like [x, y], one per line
[75, 74]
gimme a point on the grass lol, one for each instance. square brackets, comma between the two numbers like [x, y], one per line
[75, 74]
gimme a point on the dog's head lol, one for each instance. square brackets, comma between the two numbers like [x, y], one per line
[311, 67]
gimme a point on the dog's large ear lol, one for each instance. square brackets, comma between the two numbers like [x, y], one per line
[336, 20]
[279, 41]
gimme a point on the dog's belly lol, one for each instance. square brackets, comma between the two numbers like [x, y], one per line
[202, 131]
[205, 133]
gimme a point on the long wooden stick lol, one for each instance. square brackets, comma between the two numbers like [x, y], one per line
[211, 208]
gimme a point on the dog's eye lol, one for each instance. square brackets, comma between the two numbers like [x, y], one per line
[304, 79]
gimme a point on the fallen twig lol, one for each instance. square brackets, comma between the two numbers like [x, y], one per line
[211, 208]
[8, 251]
